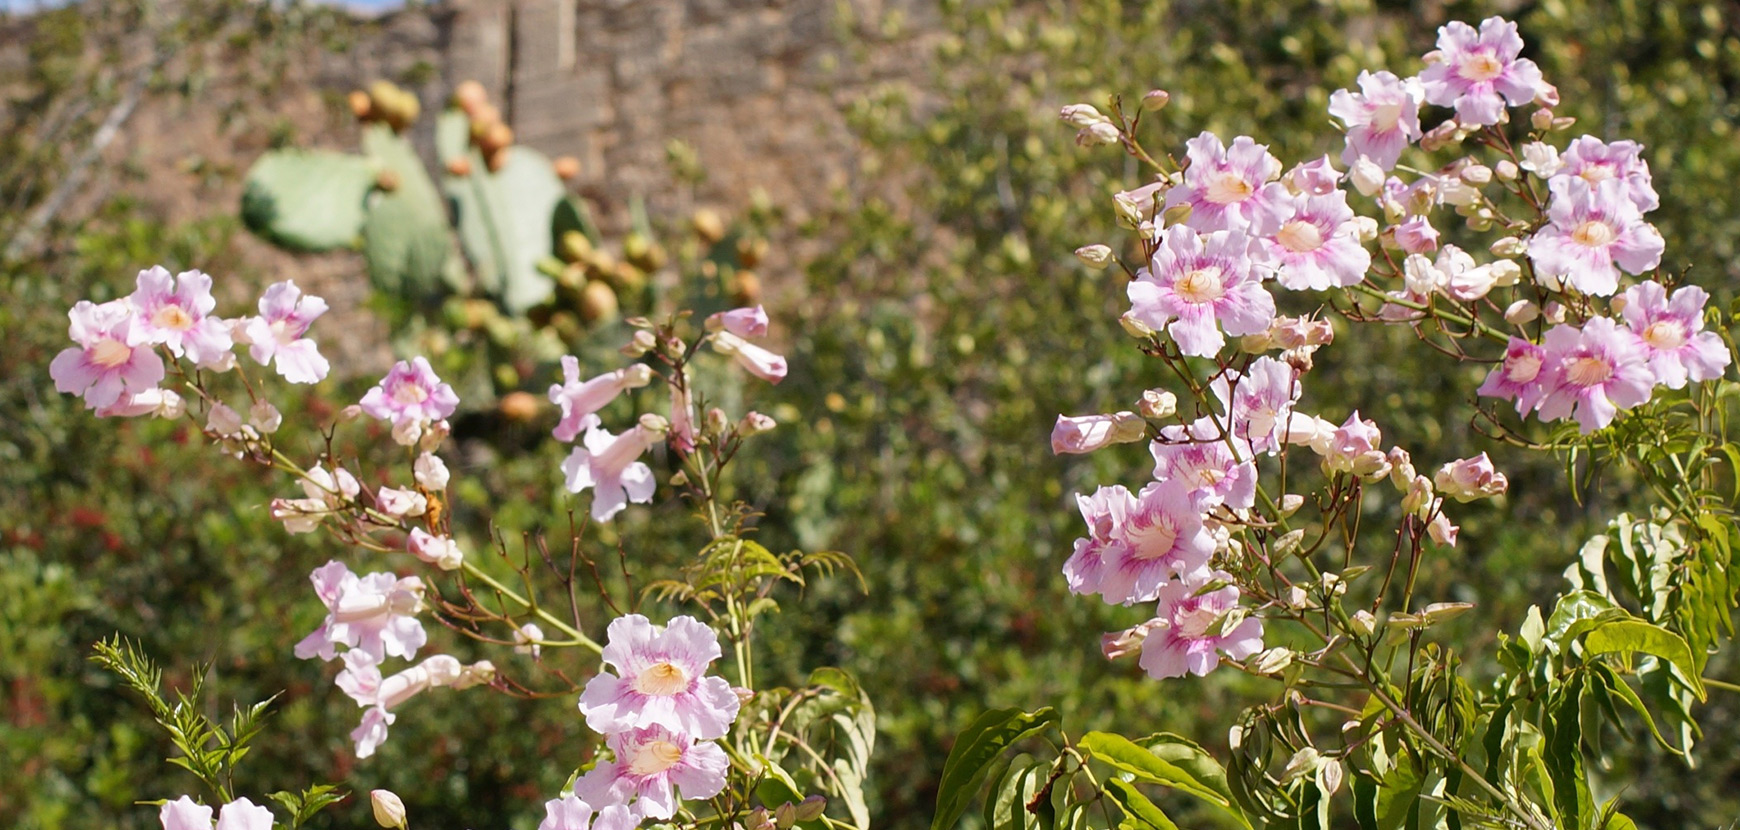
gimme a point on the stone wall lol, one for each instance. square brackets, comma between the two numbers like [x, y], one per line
[755, 86]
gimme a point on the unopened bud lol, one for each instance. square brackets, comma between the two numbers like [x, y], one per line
[1362, 623]
[716, 421]
[1509, 246]
[785, 815]
[389, 809]
[1134, 327]
[1477, 174]
[1365, 228]
[1521, 312]
[755, 423]
[1156, 404]
[1367, 177]
[1505, 273]
[264, 417]
[1081, 115]
[1094, 256]
[1156, 100]
[811, 808]
[642, 342]
[1102, 132]
[1273, 661]
[1542, 119]
[1506, 170]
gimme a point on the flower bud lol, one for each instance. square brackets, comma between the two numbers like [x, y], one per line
[389, 810]
[1093, 432]
[1362, 623]
[1521, 313]
[1156, 404]
[811, 808]
[223, 421]
[1367, 177]
[430, 472]
[755, 423]
[785, 815]
[528, 639]
[716, 421]
[1081, 115]
[1541, 119]
[1476, 174]
[1134, 327]
[1506, 170]
[1094, 256]
[1273, 661]
[1420, 496]
[264, 417]
[1365, 228]
[1102, 132]
[1156, 100]
[642, 342]
[1509, 246]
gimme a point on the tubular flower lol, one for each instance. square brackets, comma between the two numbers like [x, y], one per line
[1382, 118]
[1260, 402]
[651, 766]
[580, 401]
[410, 393]
[276, 336]
[1595, 231]
[374, 613]
[1087, 433]
[1204, 462]
[1593, 373]
[1191, 631]
[1672, 332]
[1160, 537]
[610, 466]
[570, 813]
[757, 360]
[1231, 188]
[1477, 73]
[743, 322]
[660, 680]
[1197, 285]
[1519, 378]
[112, 361]
[1595, 161]
[175, 311]
[1316, 247]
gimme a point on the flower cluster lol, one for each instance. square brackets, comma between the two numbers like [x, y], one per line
[117, 362]
[609, 464]
[661, 716]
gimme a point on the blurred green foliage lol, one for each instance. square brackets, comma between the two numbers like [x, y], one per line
[938, 337]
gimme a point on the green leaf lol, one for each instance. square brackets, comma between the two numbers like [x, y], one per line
[1365, 791]
[307, 200]
[1140, 812]
[1629, 636]
[1023, 783]
[1563, 754]
[1125, 755]
[1398, 793]
[974, 751]
[406, 239]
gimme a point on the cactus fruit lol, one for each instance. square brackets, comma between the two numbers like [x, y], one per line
[708, 225]
[598, 302]
[360, 104]
[567, 167]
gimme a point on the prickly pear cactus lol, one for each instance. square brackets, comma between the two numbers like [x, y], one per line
[506, 217]
[406, 239]
[307, 200]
